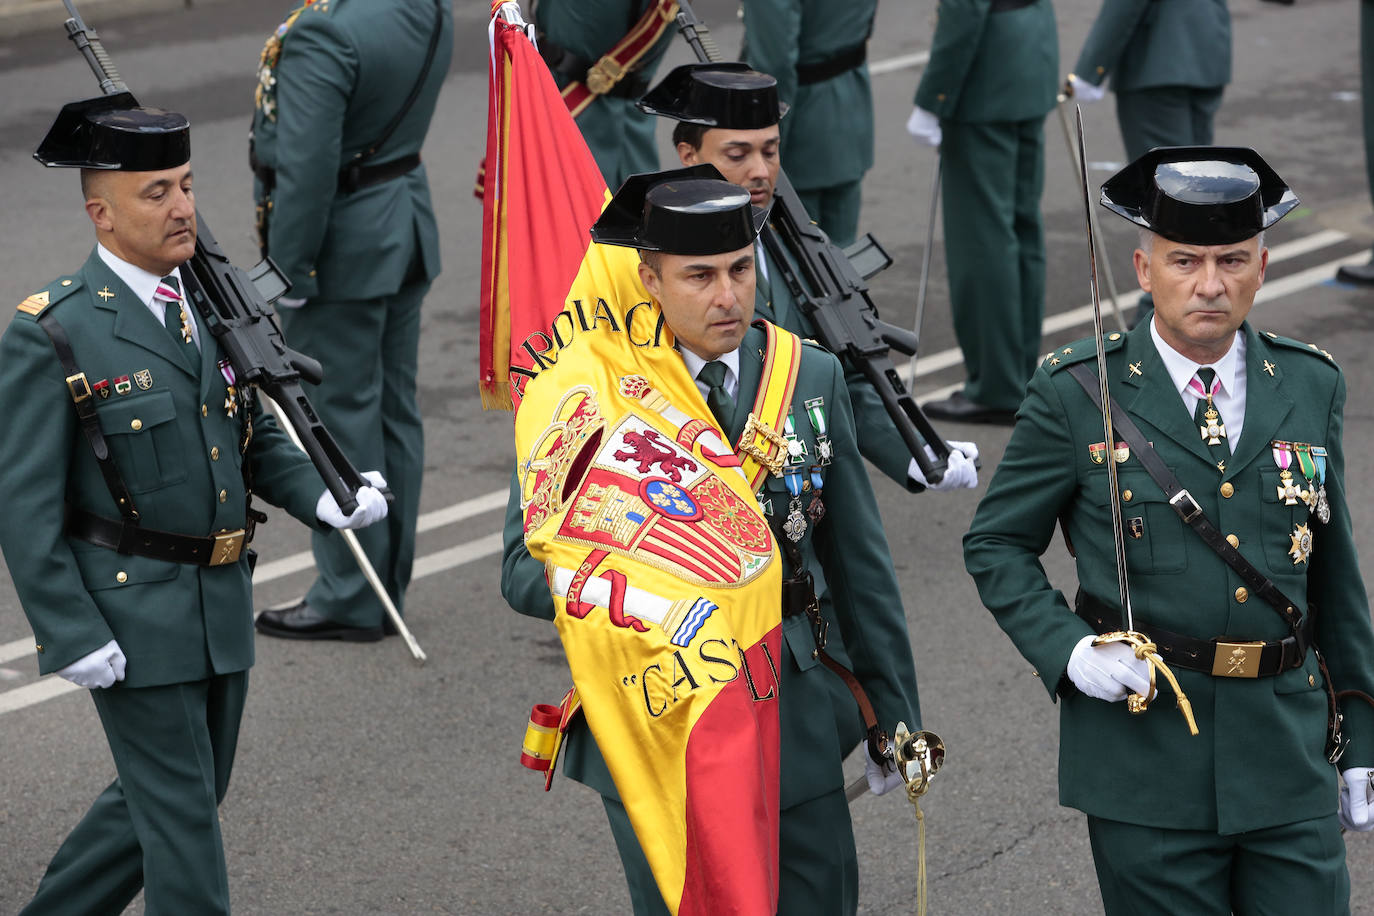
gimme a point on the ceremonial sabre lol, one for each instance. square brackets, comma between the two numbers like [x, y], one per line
[1144, 648]
[1094, 228]
[925, 263]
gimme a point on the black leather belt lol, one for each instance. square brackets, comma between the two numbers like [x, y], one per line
[218, 549]
[1218, 657]
[842, 62]
[1003, 6]
[353, 178]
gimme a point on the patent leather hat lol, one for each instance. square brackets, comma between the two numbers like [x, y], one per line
[730, 96]
[112, 132]
[692, 211]
[1200, 195]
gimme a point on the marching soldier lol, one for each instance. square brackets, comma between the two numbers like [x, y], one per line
[603, 56]
[707, 300]
[346, 91]
[992, 78]
[818, 52]
[1235, 433]
[127, 515]
[731, 117]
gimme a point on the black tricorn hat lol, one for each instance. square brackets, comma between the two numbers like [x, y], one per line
[112, 132]
[730, 96]
[691, 211]
[1200, 195]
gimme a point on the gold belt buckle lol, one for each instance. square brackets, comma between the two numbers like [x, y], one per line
[771, 458]
[1237, 659]
[228, 546]
[78, 386]
[604, 74]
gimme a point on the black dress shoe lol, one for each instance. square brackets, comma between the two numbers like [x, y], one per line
[301, 621]
[1358, 274]
[960, 409]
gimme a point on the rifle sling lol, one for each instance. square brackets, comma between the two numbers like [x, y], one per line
[1189, 511]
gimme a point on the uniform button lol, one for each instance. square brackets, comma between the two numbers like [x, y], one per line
[1115, 335]
[204, 410]
[223, 496]
[312, 273]
[1233, 540]
[64, 283]
[135, 424]
[121, 576]
[1311, 681]
[1126, 496]
[1227, 490]
[39, 648]
[940, 97]
[214, 453]
[1101, 70]
[1242, 595]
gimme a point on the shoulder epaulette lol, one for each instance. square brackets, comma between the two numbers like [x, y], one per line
[1080, 350]
[39, 302]
[1299, 345]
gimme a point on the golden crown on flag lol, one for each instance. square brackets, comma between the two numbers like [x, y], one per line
[544, 479]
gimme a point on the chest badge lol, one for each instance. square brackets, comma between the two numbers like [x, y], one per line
[1302, 544]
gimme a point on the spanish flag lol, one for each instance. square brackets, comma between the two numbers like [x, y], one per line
[665, 576]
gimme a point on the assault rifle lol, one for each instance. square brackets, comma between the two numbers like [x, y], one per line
[235, 307]
[831, 291]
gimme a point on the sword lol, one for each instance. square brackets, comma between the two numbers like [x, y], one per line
[1092, 216]
[925, 264]
[1139, 642]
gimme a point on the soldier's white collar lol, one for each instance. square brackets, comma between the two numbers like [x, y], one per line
[731, 360]
[1181, 368]
[136, 278]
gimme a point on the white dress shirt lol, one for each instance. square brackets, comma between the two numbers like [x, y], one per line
[144, 285]
[1230, 369]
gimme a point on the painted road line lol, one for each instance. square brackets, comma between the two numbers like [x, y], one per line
[37, 692]
[901, 62]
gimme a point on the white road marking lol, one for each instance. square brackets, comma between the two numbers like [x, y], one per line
[901, 62]
[489, 545]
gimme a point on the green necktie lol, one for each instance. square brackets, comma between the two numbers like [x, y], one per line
[721, 404]
[1208, 419]
[169, 292]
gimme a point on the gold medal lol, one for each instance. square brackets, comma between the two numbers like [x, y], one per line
[1287, 490]
[1302, 544]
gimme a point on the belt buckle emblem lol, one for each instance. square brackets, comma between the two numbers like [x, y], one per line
[228, 546]
[1237, 659]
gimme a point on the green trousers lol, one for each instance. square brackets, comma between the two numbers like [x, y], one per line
[157, 825]
[1166, 116]
[992, 178]
[819, 868]
[835, 209]
[1295, 868]
[1367, 86]
[369, 349]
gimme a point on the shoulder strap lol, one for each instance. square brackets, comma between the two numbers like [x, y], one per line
[1187, 508]
[404, 110]
[82, 399]
[603, 75]
[777, 384]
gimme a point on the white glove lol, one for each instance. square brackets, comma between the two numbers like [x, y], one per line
[960, 474]
[101, 668]
[924, 126]
[371, 505]
[881, 779]
[1084, 91]
[1357, 799]
[286, 303]
[1108, 672]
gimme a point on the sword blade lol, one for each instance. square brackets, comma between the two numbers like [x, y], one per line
[1114, 498]
[925, 264]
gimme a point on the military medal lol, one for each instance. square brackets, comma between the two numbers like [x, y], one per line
[1319, 462]
[796, 447]
[144, 379]
[795, 526]
[1309, 471]
[1302, 544]
[1287, 491]
[816, 508]
[102, 388]
[122, 385]
[1215, 430]
[825, 449]
[1097, 451]
[231, 401]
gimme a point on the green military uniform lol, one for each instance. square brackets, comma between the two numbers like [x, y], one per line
[848, 555]
[816, 50]
[992, 78]
[338, 74]
[1169, 62]
[1256, 774]
[620, 137]
[185, 630]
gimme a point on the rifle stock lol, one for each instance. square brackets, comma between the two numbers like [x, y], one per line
[238, 315]
[834, 296]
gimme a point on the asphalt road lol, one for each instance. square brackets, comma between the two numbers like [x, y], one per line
[366, 784]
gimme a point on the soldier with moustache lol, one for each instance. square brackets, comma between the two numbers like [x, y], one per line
[1244, 817]
[707, 299]
[128, 515]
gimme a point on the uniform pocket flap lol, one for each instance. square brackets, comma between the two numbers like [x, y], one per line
[136, 415]
[105, 569]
